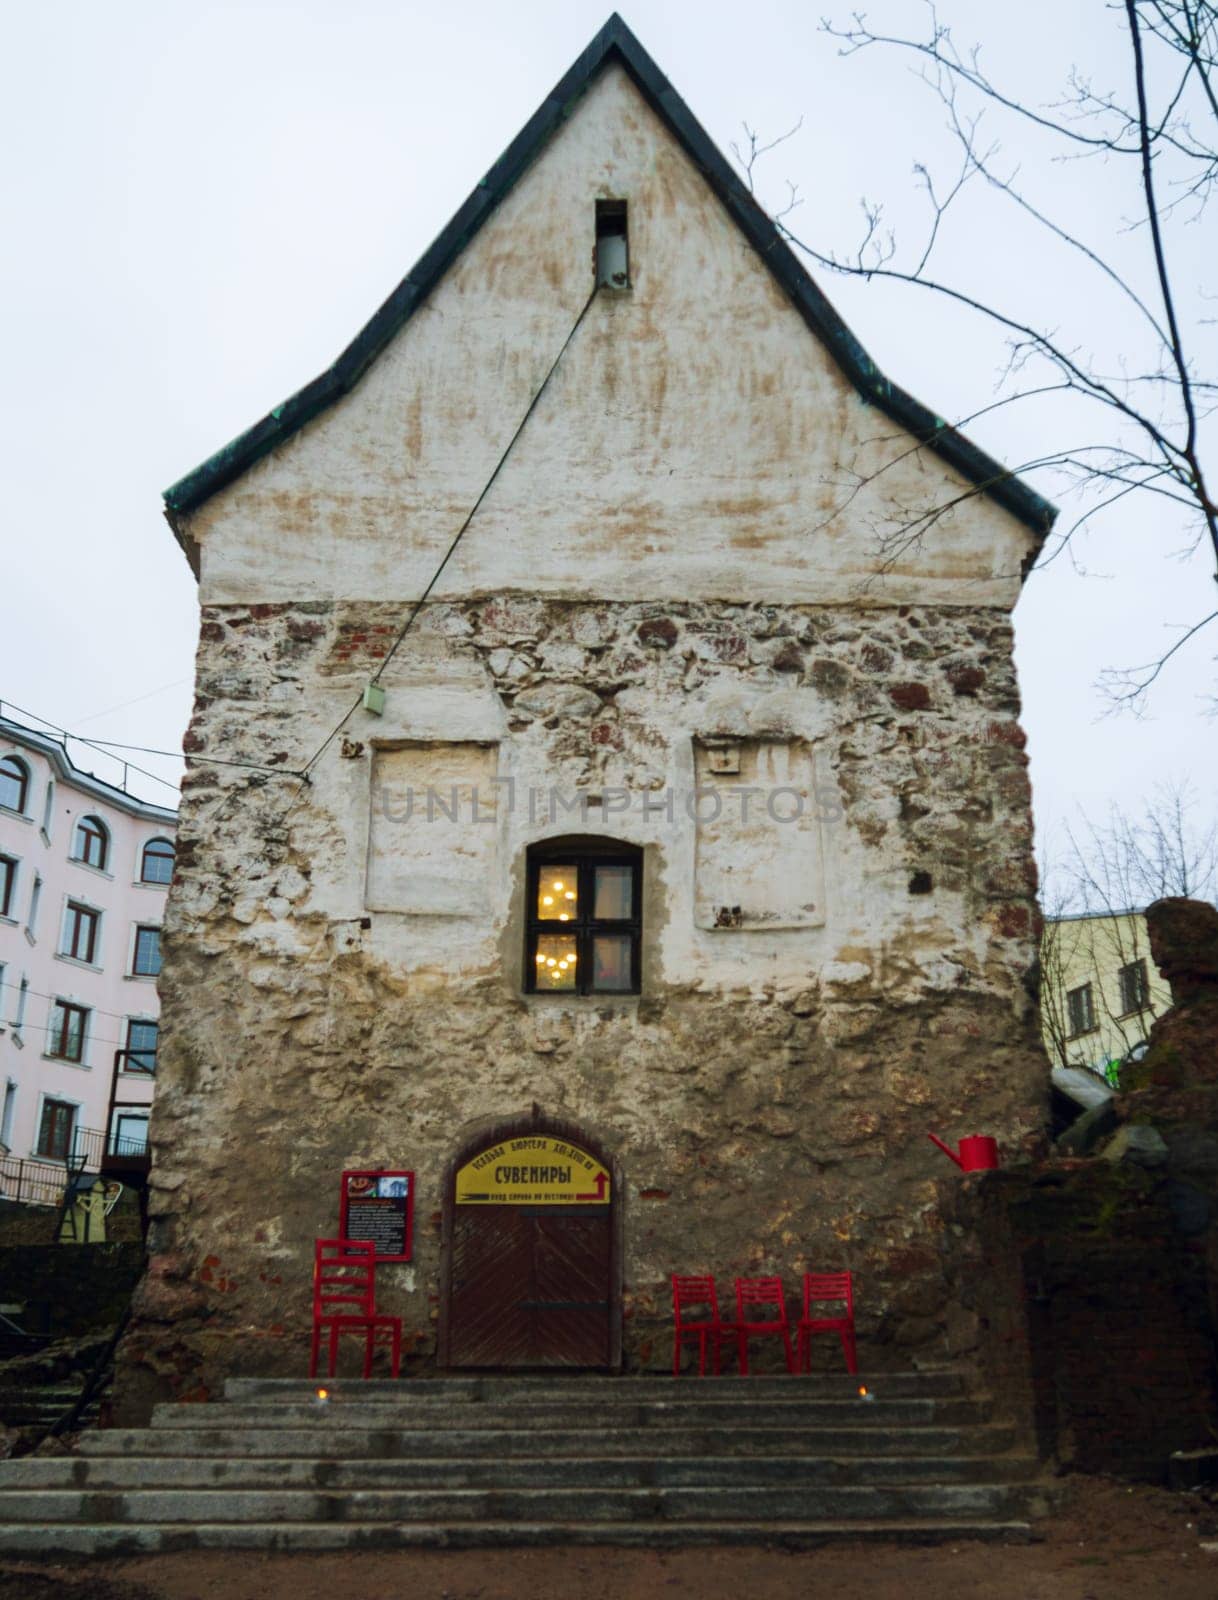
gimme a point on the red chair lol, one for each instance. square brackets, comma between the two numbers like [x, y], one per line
[754, 1296]
[822, 1287]
[344, 1299]
[690, 1293]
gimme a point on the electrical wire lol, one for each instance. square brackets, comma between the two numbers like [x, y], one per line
[435, 577]
[119, 1016]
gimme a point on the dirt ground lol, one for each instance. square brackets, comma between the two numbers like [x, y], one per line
[1108, 1542]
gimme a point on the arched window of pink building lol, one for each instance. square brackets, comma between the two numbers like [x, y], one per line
[14, 783]
[156, 864]
[92, 844]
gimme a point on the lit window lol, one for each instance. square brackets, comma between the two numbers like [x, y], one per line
[67, 1036]
[140, 1055]
[1135, 990]
[156, 863]
[55, 1129]
[585, 919]
[146, 962]
[8, 884]
[1081, 1009]
[92, 843]
[80, 932]
[14, 783]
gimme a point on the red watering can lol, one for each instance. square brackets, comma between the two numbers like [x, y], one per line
[978, 1152]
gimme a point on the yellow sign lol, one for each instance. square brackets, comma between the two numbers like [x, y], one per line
[533, 1170]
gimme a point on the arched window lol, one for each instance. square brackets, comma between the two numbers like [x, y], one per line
[92, 844]
[14, 783]
[156, 864]
[585, 917]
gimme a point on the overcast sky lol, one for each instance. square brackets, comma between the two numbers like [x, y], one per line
[204, 201]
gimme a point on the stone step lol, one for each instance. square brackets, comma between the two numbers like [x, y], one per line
[96, 1472]
[760, 1505]
[597, 1389]
[112, 1539]
[543, 1413]
[389, 1442]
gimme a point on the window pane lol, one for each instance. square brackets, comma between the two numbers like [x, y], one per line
[614, 898]
[557, 893]
[555, 962]
[611, 962]
[13, 782]
[147, 952]
[141, 1043]
[157, 864]
[130, 1136]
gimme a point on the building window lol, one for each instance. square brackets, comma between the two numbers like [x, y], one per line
[129, 1133]
[146, 962]
[140, 1055]
[67, 1037]
[92, 843]
[6, 1120]
[14, 783]
[156, 863]
[8, 884]
[612, 248]
[585, 919]
[1135, 990]
[55, 1129]
[1081, 1009]
[80, 932]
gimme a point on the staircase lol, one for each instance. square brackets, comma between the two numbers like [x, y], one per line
[494, 1461]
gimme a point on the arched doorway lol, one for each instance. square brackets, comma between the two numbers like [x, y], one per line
[531, 1257]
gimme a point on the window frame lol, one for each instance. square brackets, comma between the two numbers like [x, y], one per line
[132, 1053]
[93, 831]
[8, 884]
[158, 855]
[76, 913]
[142, 972]
[23, 777]
[1141, 999]
[59, 1031]
[1089, 1024]
[585, 855]
[50, 1101]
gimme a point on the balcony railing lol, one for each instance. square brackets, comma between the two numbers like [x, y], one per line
[41, 1180]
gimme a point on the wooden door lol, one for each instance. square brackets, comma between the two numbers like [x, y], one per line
[530, 1287]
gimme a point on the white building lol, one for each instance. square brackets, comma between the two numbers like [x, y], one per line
[84, 870]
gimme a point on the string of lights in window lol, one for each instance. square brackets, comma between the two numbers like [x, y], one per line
[585, 919]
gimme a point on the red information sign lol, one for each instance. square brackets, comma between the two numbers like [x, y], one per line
[379, 1206]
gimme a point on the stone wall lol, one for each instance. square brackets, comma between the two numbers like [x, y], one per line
[767, 1095]
[1083, 1302]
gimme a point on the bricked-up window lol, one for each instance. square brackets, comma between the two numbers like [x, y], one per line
[142, 1038]
[14, 783]
[8, 884]
[67, 1035]
[156, 863]
[92, 843]
[585, 918]
[55, 1129]
[1080, 1007]
[146, 959]
[1135, 990]
[80, 932]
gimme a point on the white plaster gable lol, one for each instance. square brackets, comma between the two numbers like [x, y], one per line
[696, 442]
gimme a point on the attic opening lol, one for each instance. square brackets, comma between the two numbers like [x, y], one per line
[612, 245]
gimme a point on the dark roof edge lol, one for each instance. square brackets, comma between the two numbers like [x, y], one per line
[615, 40]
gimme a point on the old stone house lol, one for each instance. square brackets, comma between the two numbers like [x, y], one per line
[690, 845]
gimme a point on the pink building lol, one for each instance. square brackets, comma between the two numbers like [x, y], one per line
[84, 871]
